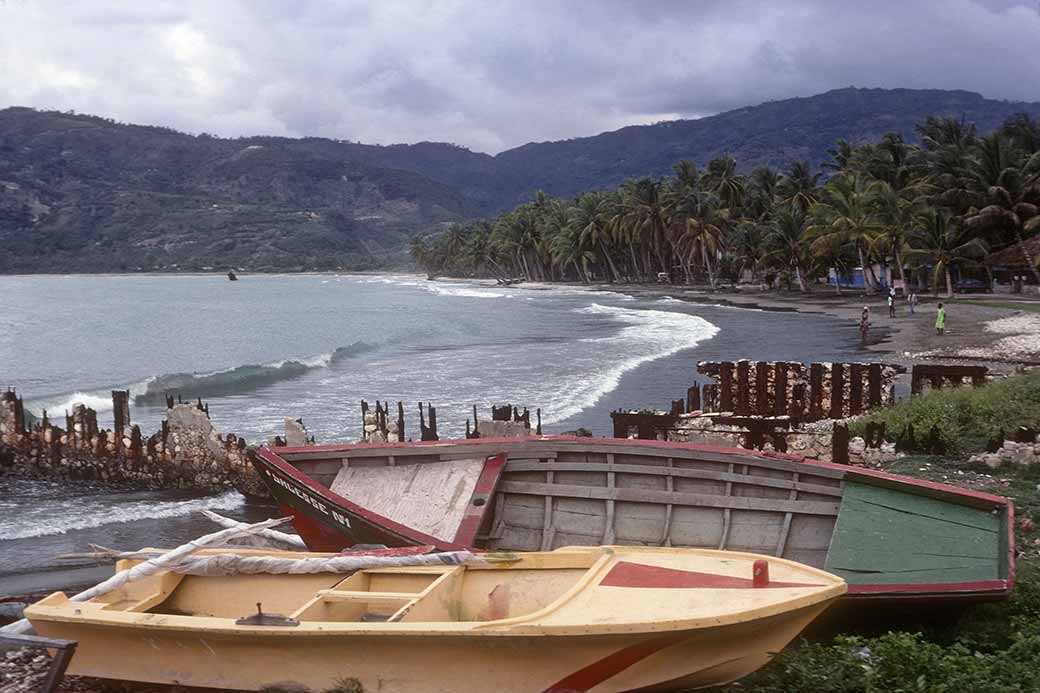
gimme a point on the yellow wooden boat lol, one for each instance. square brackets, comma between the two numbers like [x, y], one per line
[574, 619]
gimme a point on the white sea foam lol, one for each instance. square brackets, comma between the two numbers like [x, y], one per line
[464, 291]
[646, 335]
[668, 299]
[65, 515]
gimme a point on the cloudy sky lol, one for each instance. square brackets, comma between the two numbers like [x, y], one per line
[491, 74]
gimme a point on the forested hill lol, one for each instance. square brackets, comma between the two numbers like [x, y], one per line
[82, 193]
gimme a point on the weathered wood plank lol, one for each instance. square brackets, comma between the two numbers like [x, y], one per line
[787, 524]
[682, 472]
[664, 497]
[548, 529]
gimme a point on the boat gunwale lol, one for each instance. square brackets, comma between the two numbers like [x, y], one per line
[525, 625]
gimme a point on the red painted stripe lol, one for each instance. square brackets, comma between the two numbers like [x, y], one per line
[1011, 545]
[487, 482]
[611, 665]
[626, 574]
[929, 588]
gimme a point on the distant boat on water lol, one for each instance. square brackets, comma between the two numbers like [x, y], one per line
[232, 276]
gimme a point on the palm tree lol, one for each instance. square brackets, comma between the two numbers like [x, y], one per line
[1009, 185]
[706, 222]
[848, 214]
[799, 186]
[643, 213]
[841, 153]
[786, 239]
[723, 179]
[591, 215]
[942, 241]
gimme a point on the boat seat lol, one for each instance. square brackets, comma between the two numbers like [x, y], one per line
[334, 595]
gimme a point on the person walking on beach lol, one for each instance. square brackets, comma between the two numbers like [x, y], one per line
[891, 303]
[912, 301]
[940, 321]
[864, 325]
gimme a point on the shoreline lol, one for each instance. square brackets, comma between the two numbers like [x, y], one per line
[904, 339]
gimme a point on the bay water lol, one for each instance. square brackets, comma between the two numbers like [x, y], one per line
[311, 347]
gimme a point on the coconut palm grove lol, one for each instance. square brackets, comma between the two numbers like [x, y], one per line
[926, 209]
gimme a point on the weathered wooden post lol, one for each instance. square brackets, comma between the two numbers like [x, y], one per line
[743, 388]
[837, 391]
[726, 386]
[780, 389]
[364, 417]
[840, 444]
[538, 413]
[136, 446]
[816, 392]
[762, 388]
[400, 421]
[874, 385]
[710, 398]
[855, 389]
[693, 399]
[120, 410]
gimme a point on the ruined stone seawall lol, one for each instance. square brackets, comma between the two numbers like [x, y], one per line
[186, 453]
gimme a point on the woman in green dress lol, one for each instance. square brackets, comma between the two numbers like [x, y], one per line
[940, 320]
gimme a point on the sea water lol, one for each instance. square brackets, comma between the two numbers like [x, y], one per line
[312, 347]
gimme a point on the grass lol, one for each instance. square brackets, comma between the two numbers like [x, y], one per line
[965, 418]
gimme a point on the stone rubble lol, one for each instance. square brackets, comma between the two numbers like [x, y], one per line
[1019, 454]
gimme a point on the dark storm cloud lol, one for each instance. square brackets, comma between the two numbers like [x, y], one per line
[491, 75]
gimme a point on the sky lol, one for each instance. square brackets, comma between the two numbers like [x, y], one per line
[491, 74]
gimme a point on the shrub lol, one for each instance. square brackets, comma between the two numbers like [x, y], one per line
[966, 418]
[900, 662]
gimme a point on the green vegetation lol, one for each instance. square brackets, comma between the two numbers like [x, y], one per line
[82, 193]
[965, 418]
[934, 207]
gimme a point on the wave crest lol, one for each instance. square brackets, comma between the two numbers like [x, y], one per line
[83, 513]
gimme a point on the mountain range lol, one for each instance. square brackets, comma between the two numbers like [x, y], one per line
[88, 194]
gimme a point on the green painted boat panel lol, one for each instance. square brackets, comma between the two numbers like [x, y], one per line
[885, 536]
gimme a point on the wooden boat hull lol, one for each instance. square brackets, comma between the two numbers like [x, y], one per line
[575, 619]
[890, 537]
[506, 665]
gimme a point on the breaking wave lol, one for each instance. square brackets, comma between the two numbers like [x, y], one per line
[647, 335]
[85, 512]
[228, 381]
[242, 378]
